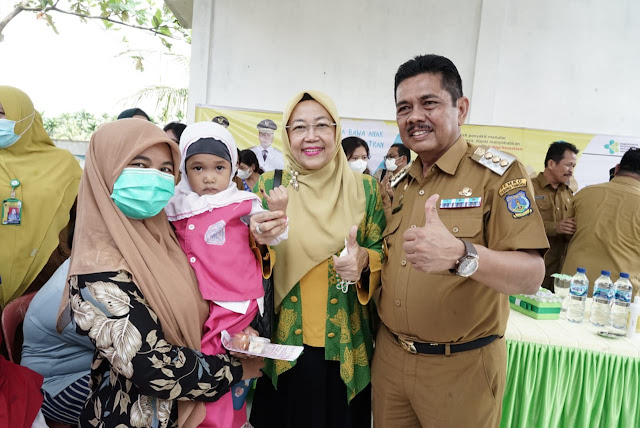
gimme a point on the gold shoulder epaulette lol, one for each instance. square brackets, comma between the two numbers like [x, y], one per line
[493, 159]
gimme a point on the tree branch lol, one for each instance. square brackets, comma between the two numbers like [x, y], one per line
[101, 18]
[12, 15]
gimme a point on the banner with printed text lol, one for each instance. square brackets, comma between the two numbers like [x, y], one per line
[598, 153]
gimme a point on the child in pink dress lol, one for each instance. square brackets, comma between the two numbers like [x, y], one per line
[211, 216]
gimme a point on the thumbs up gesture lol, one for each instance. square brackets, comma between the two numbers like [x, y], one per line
[432, 248]
[351, 265]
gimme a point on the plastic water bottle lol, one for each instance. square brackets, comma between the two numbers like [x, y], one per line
[622, 291]
[602, 296]
[577, 296]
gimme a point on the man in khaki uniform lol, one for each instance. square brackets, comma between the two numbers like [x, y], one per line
[440, 358]
[553, 198]
[608, 226]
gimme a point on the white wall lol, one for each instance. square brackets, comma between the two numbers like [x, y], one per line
[262, 53]
[566, 65]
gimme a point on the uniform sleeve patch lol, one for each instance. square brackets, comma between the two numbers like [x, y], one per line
[513, 184]
[519, 204]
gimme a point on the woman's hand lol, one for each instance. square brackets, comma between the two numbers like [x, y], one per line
[350, 267]
[277, 199]
[251, 367]
[267, 225]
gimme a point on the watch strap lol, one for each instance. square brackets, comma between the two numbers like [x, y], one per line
[469, 252]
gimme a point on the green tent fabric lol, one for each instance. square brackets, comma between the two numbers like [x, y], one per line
[553, 386]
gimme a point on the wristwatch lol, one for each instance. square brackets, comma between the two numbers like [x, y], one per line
[467, 264]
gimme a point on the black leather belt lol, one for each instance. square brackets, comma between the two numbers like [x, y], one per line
[441, 348]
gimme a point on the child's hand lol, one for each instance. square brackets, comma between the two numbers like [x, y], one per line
[277, 199]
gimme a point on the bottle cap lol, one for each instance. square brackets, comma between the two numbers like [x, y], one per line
[582, 270]
[624, 275]
[605, 272]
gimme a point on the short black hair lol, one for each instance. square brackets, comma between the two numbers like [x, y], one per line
[350, 144]
[630, 161]
[557, 150]
[176, 127]
[249, 158]
[434, 64]
[402, 150]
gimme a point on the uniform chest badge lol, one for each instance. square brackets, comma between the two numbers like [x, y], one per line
[518, 205]
[466, 191]
[460, 203]
[215, 234]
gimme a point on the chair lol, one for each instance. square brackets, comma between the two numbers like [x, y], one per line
[12, 318]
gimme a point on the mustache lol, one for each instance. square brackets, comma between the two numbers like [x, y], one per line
[419, 127]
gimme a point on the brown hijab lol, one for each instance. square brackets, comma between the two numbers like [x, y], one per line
[107, 240]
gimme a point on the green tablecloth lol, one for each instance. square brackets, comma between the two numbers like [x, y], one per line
[554, 386]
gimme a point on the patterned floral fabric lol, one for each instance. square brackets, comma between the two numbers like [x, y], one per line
[349, 325]
[136, 374]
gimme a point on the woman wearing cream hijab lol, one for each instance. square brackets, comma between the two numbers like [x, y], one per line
[132, 290]
[38, 185]
[321, 299]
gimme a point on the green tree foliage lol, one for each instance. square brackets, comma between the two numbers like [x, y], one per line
[76, 126]
[142, 15]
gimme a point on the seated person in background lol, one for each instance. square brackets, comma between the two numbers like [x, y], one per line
[358, 155]
[136, 113]
[63, 359]
[174, 130]
[20, 396]
[38, 187]
[249, 169]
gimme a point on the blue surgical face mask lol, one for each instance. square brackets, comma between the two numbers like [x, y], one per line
[142, 192]
[8, 135]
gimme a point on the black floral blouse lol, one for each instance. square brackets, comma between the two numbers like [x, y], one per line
[136, 374]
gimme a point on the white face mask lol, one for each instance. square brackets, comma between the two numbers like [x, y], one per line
[358, 166]
[390, 164]
[244, 173]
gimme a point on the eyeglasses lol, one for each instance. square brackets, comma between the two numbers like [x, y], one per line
[391, 157]
[319, 128]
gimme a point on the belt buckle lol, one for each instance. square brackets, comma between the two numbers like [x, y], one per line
[407, 345]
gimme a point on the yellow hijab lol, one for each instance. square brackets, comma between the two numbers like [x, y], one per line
[329, 201]
[49, 178]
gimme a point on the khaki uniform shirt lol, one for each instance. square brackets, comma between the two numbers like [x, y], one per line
[443, 307]
[553, 205]
[607, 231]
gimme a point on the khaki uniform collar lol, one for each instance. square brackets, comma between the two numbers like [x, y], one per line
[448, 162]
[544, 182]
[630, 181]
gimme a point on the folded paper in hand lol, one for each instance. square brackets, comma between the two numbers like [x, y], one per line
[261, 347]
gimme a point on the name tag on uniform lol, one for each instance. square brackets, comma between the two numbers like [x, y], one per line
[540, 197]
[460, 203]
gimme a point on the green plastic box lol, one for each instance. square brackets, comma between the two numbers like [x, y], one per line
[535, 309]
